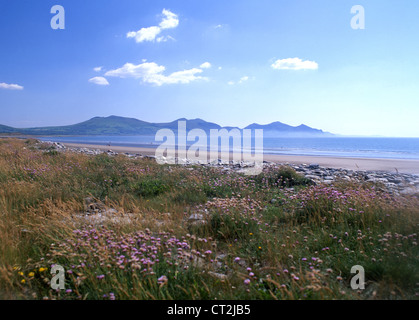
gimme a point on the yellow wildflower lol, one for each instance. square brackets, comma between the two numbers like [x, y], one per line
[22, 281]
[31, 274]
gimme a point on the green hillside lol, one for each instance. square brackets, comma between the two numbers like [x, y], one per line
[114, 125]
[6, 129]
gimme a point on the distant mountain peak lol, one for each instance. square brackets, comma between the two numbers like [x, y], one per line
[116, 125]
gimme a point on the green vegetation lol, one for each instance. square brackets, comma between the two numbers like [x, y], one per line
[114, 125]
[133, 229]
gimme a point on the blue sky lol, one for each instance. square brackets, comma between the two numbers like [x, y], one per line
[222, 61]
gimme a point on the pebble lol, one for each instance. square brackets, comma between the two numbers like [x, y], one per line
[397, 183]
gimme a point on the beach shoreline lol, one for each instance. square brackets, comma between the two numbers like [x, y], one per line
[357, 164]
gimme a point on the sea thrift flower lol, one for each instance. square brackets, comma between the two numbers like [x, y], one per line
[247, 281]
[162, 280]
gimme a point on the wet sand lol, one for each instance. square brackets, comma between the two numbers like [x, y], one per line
[389, 165]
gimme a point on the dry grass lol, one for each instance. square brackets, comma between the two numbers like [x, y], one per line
[243, 246]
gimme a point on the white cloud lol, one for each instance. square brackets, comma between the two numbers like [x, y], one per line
[100, 81]
[98, 69]
[170, 21]
[151, 72]
[164, 38]
[144, 34]
[184, 77]
[130, 70]
[10, 86]
[205, 65]
[294, 64]
[242, 80]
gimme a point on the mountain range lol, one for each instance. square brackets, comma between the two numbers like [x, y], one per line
[114, 125]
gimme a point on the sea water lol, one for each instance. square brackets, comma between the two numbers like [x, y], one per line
[376, 148]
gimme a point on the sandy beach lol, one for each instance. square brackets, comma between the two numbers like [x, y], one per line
[389, 165]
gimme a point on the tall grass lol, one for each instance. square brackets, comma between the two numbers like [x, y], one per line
[242, 244]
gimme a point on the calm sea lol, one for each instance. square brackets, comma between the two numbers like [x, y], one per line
[390, 148]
